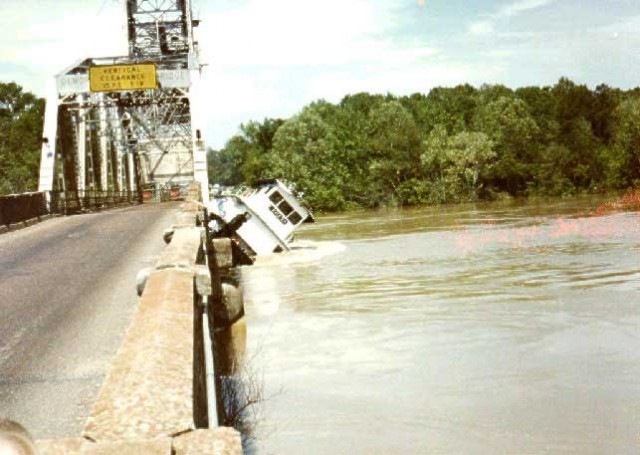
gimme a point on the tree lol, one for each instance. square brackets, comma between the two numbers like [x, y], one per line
[305, 152]
[572, 101]
[454, 144]
[361, 102]
[435, 161]
[243, 158]
[508, 123]
[550, 171]
[627, 143]
[489, 93]
[451, 107]
[541, 103]
[582, 144]
[604, 109]
[21, 122]
[471, 155]
[394, 147]
[456, 165]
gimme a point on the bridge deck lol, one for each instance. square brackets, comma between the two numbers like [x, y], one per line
[67, 295]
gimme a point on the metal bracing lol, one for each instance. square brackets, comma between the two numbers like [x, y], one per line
[158, 28]
[81, 143]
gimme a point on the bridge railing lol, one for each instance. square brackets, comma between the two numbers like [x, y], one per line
[66, 202]
[16, 208]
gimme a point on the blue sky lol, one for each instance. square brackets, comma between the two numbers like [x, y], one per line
[270, 58]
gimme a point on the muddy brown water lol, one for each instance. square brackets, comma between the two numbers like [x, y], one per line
[495, 328]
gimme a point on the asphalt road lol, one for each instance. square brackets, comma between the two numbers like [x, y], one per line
[67, 295]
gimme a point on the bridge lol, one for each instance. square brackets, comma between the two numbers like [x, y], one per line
[85, 366]
[128, 122]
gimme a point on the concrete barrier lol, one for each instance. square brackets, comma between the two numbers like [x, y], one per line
[183, 250]
[148, 403]
[148, 392]
[218, 441]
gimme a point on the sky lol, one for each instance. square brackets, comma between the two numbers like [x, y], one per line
[269, 58]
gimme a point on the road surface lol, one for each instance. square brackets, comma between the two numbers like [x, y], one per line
[67, 295]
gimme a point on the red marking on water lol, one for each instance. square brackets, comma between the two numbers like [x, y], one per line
[591, 226]
[630, 201]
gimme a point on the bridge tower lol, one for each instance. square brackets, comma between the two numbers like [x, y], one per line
[120, 123]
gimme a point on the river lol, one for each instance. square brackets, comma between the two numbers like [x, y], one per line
[492, 328]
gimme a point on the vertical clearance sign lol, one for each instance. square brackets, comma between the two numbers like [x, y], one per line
[112, 78]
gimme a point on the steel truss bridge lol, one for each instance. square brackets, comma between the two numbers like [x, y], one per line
[121, 123]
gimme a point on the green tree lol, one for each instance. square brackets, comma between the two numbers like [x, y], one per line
[243, 158]
[394, 148]
[456, 165]
[551, 170]
[435, 161]
[306, 152]
[626, 144]
[21, 122]
[472, 155]
[361, 103]
[453, 108]
[606, 101]
[488, 93]
[453, 144]
[514, 132]
[541, 103]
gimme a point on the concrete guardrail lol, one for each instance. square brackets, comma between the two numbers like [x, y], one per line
[149, 401]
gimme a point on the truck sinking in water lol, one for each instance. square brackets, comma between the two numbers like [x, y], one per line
[261, 219]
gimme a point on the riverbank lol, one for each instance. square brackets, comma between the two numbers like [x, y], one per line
[623, 200]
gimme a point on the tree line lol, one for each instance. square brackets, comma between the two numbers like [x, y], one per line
[451, 145]
[21, 122]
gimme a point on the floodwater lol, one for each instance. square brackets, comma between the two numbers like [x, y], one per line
[509, 328]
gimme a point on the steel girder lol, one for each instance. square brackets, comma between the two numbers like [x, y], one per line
[123, 139]
[158, 27]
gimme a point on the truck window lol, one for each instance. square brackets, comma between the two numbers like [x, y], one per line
[285, 208]
[276, 197]
[295, 218]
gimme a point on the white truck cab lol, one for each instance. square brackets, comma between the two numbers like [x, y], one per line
[274, 213]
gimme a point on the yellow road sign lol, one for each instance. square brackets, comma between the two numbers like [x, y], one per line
[112, 78]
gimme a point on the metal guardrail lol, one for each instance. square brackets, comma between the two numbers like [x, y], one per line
[17, 208]
[67, 202]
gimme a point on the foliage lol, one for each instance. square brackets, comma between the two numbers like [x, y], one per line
[21, 121]
[453, 144]
[244, 157]
[626, 143]
[450, 145]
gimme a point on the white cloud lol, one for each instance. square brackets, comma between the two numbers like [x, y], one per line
[521, 6]
[481, 28]
[630, 25]
[271, 58]
[499, 53]
[332, 86]
[487, 26]
[290, 32]
[47, 40]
